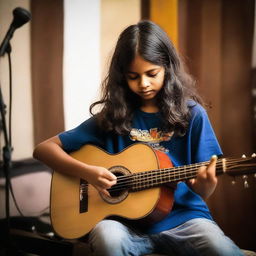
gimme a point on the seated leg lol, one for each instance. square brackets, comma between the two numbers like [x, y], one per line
[196, 237]
[112, 238]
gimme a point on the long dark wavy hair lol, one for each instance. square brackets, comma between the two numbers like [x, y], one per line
[118, 102]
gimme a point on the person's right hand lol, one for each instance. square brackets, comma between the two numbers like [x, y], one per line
[101, 178]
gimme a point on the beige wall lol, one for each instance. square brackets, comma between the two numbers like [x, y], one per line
[115, 16]
[22, 126]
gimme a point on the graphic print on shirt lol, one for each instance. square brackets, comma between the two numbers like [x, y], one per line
[153, 137]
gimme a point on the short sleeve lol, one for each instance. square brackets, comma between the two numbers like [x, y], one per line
[204, 143]
[85, 133]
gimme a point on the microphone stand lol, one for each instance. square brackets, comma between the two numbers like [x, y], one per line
[20, 17]
[7, 158]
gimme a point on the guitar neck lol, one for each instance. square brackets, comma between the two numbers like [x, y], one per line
[154, 178]
[148, 179]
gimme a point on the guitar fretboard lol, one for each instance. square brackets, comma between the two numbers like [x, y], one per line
[148, 179]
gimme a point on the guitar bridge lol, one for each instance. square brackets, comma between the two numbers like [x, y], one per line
[83, 196]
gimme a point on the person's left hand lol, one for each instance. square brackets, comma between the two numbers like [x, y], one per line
[206, 181]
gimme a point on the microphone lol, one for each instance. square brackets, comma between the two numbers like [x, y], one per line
[20, 17]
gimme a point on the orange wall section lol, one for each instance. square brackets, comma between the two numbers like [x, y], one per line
[165, 14]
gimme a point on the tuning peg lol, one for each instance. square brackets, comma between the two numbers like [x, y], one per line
[246, 184]
[243, 156]
[233, 182]
[253, 155]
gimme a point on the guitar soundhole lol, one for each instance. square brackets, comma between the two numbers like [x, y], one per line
[119, 191]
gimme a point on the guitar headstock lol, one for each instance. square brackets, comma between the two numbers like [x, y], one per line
[241, 166]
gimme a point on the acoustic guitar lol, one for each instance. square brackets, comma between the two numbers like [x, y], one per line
[76, 206]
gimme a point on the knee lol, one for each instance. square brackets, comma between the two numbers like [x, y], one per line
[213, 241]
[220, 245]
[107, 229]
[108, 236]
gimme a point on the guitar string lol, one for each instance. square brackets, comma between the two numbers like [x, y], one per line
[184, 171]
[185, 168]
[123, 184]
[135, 178]
[168, 171]
[124, 181]
[155, 177]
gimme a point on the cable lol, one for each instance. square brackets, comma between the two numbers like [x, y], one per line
[40, 213]
[10, 99]
[10, 126]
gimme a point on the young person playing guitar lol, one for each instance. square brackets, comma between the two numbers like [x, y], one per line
[148, 97]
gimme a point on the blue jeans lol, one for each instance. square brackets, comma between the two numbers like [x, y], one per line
[194, 237]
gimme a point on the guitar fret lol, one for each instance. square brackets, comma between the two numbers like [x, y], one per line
[144, 182]
[138, 181]
[176, 174]
[168, 178]
[159, 177]
[182, 177]
[154, 178]
[151, 184]
[147, 178]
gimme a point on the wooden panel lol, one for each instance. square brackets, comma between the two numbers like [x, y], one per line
[190, 32]
[237, 203]
[144, 9]
[216, 38]
[165, 14]
[210, 64]
[253, 80]
[47, 51]
[237, 32]
[198, 46]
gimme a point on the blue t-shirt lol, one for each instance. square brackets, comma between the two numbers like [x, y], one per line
[197, 145]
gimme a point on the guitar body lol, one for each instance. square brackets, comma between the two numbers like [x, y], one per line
[69, 221]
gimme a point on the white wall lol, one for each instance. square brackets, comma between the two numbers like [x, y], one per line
[91, 29]
[81, 69]
[22, 122]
